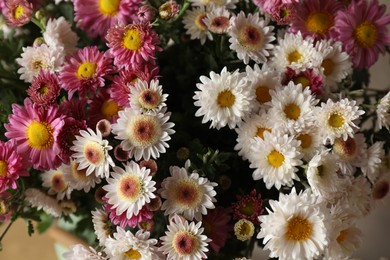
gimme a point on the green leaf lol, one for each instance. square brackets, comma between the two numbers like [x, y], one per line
[30, 228]
[45, 223]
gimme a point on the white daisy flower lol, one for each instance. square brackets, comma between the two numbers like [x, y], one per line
[126, 245]
[56, 182]
[217, 20]
[383, 112]
[144, 135]
[147, 97]
[311, 142]
[228, 4]
[187, 194]
[262, 81]
[336, 119]
[295, 52]
[40, 200]
[78, 179]
[296, 227]
[253, 126]
[275, 159]
[224, 99]
[375, 158]
[91, 152]
[129, 189]
[184, 240]
[336, 64]
[101, 225]
[250, 37]
[293, 107]
[195, 26]
[36, 58]
[59, 34]
[81, 252]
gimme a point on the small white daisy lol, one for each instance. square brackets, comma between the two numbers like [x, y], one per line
[195, 26]
[147, 97]
[40, 200]
[295, 52]
[126, 245]
[187, 194]
[144, 135]
[81, 252]
[59, 34]
[383, 112]
[296, 227]
[101, 225]
[217, 20]
[250, 37]
[275, 159]
[184, 240]
[375, 158]
[91, 152]
[262, 81]
[311, 142]
[78, 179]
[224, 99]
[129, 189]
[56, 182]
[33, 59]
[336, 119]
[293, 107]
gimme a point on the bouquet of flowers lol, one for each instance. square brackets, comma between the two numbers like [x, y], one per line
[194, 129]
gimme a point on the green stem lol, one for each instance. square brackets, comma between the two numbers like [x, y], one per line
[182, 10]
[39, 24]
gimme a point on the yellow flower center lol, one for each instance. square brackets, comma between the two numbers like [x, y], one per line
[86, 70]
[275, 159]
[305, 139]
[305, 82]
[261, 130]
[319, 22]
[336, 120]
[226, 99]
[328, 66]
[292, 111]
[200, 23]
[144, 131]
[58, 182]
[284, 13]
[342, 235]
[251, 38]
[185, 243]
[3, 168]
[298, 229]
[133, 254]
[244, 229]
[37, 64]
[187, 194]
[93, 153]
[294, 56]
[132, 39]
[149, 99]
[18, 12]
[248, 209]
[262, 94]
[43, 90]
[110, 108]
[109, 7]
[366, 34]
[40, 135]
[347, 149]
[3, 207]
[130, 188]
[78, 175]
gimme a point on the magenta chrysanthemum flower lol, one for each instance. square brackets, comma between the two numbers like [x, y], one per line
[97, 16]
[283, 13]
[18, 12]
[35, 132]
[315, 18]
[248, 207]
[67, 135]
[12, 166]
[307, 78]
[121, 84]
[121, 220]
[217, 228]
[44, 89]
[84, 71]
[362, 28]
[132, 45]
[74, 108]
[102, 106]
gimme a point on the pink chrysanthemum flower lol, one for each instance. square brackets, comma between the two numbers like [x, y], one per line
[44, 89]
[121, 84]
[249, 206]
[132, 45]
[315, 18]
[12, 166]
[103, 107]
[74, 108]
[35, 131]
[97, 16]
[283, 13]
[122, 220]
[84, 71]
[362, 28]
[307, 78]
[67, 135]
[18, 12]
[217, 228]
